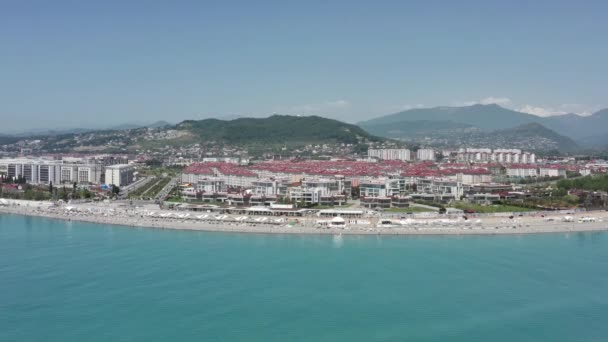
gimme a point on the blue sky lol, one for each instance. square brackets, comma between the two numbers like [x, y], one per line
[84, 63]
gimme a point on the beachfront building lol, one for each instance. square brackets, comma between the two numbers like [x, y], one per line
[379, 188]
[306, 196]
[390, 154]
[322, 191]
[439, 198]
[45, 171]
[376, 202]
[484, 198]
[270, 187]
[441, 189]
[119, 175]
[211, 185]
[330, 186]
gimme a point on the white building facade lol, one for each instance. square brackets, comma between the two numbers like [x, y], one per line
[43, 171]
[119, 175]
[390, 154]
[425, 154]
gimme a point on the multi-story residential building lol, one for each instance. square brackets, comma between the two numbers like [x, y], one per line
[44, 171]
[323, 191]
[308, 196]
[119, 175]
[379, 188]
[270, 187]
[425, 154]
[331, 186]
[211, 185]
[474, 176]
[522, 170]
[552, 171]
[390, 154]
[505, 156]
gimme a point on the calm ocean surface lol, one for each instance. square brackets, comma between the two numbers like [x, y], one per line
[68, 281]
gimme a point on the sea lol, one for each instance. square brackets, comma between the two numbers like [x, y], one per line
[71, 281]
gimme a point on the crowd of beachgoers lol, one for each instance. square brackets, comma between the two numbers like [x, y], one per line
[154, 217]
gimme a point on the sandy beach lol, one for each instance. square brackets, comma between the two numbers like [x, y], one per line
[166, 219]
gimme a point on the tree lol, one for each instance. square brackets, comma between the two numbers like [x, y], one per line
[571, 199]
[75, 194]
[63, 194]
[86, 194]
[115, 190]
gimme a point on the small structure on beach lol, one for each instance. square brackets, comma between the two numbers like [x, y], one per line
[340, 213]
[337, 222]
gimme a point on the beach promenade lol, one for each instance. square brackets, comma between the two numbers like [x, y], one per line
[104, 213]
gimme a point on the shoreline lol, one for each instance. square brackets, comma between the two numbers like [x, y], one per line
[490, 226]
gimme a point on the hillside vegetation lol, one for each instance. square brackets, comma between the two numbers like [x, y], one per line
[592, 183]
[277, 129]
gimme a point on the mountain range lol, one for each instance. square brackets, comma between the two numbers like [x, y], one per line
[587, 131]
[450, 127]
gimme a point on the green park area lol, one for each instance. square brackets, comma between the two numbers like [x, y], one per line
[494, 208]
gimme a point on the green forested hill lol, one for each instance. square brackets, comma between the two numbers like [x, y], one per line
[277, 129]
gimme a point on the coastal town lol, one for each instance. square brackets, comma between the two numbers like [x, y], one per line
[379, 191]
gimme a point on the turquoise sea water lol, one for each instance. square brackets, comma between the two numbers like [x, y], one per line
[68, 281]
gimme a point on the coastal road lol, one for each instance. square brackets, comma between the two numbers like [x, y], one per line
[164, 193]
[124, 191]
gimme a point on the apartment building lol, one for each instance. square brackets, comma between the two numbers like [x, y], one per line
[501, 155]
[425, 154]
[390, 154]
[119, 175]
[45, 171]
[379, 188]
[552, 171]
[522, 171]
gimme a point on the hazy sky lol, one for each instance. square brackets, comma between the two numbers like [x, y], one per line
[91, 63]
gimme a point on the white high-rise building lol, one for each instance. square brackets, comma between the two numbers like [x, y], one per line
[390, 153]
[119, 175]
[499, 155]
[425, 154]
[45, 171]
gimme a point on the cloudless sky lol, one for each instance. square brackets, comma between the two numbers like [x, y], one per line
[101, 63]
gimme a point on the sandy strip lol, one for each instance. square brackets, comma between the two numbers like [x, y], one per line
[488, 226]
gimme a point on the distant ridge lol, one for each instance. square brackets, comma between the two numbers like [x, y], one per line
[534, 134]
[54, 132]
[482, 116]
[277, 129]
[584, 129]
